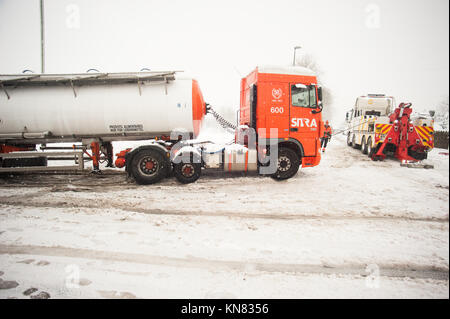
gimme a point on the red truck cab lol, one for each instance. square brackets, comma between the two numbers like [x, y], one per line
[283, 104]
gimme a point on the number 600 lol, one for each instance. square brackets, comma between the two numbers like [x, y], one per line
[275, 109]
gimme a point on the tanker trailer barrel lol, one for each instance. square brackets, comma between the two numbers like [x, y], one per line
[106, 106]
[96, 109]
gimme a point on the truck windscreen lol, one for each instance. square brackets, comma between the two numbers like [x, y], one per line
[374, 113]
[303, 96]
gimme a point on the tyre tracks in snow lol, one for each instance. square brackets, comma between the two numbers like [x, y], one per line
[385, 270]
[74, 203]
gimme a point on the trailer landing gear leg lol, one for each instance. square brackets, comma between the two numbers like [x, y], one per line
[95, 148]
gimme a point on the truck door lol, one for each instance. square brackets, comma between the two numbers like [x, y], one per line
[274, 112]
[304, 124]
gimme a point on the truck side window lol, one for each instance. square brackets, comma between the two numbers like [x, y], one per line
[303, 96]
[312, 96]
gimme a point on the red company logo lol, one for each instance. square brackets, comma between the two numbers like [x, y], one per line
[277, 93]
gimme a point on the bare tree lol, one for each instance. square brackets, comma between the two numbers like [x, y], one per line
[441, 114]
[442, 107]
[309, 61]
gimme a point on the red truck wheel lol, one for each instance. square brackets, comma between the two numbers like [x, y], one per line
[287, 165]
[187, 172]
[148, 166]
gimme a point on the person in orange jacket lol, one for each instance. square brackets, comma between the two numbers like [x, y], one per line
[326, 136]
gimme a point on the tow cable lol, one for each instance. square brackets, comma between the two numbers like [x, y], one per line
[349, 128]
[226, 124]
[223, 122]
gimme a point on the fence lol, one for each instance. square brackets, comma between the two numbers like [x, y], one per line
[441, 139]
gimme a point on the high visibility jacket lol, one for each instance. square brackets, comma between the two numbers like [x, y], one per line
[327, 131]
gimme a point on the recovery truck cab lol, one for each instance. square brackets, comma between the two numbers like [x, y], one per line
[369, 111]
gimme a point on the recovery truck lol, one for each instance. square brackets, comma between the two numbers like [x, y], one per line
[377, 129]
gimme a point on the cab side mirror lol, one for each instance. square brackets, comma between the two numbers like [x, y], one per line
[349, 115]
[319, 93]
[320, 109]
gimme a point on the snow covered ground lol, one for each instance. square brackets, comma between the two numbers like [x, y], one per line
[349, 228]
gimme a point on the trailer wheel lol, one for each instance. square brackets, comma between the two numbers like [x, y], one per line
[287, 165]
[149, 166]
[349, 141]
[187, 172]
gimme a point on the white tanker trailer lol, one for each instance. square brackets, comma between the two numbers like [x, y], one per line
[95, 109]
[110, 107]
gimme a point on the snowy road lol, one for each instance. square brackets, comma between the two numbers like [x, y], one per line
[347, 228]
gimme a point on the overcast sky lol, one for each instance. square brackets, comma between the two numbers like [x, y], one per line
[397, 47]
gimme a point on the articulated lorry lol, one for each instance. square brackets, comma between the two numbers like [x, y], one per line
[279, 128]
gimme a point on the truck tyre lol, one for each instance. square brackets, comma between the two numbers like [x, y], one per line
[369, 151]
[354, 145]
[149, 166]
[364, 145]
[420, 156]
[349, 141]
[187, 173]
[287, 165]
[373, 152]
